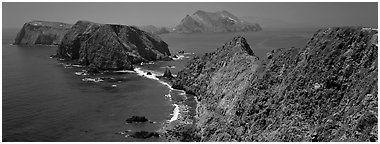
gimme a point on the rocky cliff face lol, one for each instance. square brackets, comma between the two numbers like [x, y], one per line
[108, 46]
[325, 91]
[41, 32]
[221, 21]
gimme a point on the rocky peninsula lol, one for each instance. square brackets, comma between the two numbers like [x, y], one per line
[324, 91]
[41, 32]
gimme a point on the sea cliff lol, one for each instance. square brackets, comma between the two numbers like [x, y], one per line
[110, 46]
[41, 32]
[324, 91]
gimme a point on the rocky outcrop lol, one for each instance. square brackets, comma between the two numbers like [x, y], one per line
[221, 21]
[167, 74]
[145, 134]
[136, 119]
[110, 46]
[154, 30]
[41, 32]
[325, 91]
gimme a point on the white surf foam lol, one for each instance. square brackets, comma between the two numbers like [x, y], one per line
[92, 80]
[179, 57]
[82, 73]
[175, 113]
[169, 95]
[142, 63]
[153, 76]
[125, 71]
[172, 67]
[79, 66]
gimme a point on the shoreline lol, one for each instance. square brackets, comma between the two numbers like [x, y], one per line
[184, 112]
[181, 114]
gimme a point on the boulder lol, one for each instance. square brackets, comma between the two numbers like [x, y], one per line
[145, 134]
[136, 119]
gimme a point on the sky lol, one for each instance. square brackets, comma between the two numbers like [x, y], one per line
[291, 14]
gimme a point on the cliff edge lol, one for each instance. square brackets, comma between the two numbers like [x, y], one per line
[41, 32]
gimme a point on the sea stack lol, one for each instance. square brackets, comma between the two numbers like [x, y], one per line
[325, 91]
[111, 46]
[41, 33]
[221, 21]
[168, 74]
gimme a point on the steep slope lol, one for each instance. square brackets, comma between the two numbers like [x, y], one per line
[41, 32]
[109, 46]
[221, 21]
[325, 91]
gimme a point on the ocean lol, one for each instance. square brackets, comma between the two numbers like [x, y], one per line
[44, 99]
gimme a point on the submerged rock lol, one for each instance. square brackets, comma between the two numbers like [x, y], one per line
[111, 46]
[136, 119]
[181, 52]
[325, 91]
[41, 32]
[145, 134]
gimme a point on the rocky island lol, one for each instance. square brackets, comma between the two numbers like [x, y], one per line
[110, 46]
[221, 21]
[325, 91]
[41, 32]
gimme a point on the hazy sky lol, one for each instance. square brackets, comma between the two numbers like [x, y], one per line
[169, 14]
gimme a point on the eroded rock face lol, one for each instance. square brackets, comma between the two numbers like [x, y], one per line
[325, 91]
[111, 47]
[41, 32]
[221, 21]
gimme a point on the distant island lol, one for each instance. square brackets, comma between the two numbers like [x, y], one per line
[220, 21]
[98, 46]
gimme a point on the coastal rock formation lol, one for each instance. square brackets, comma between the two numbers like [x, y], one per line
[221, 21]
[111, 46]
[325, 91]
[168, 74]
[145, 134]
[41, 32]
[154, 30]
[136, 119]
